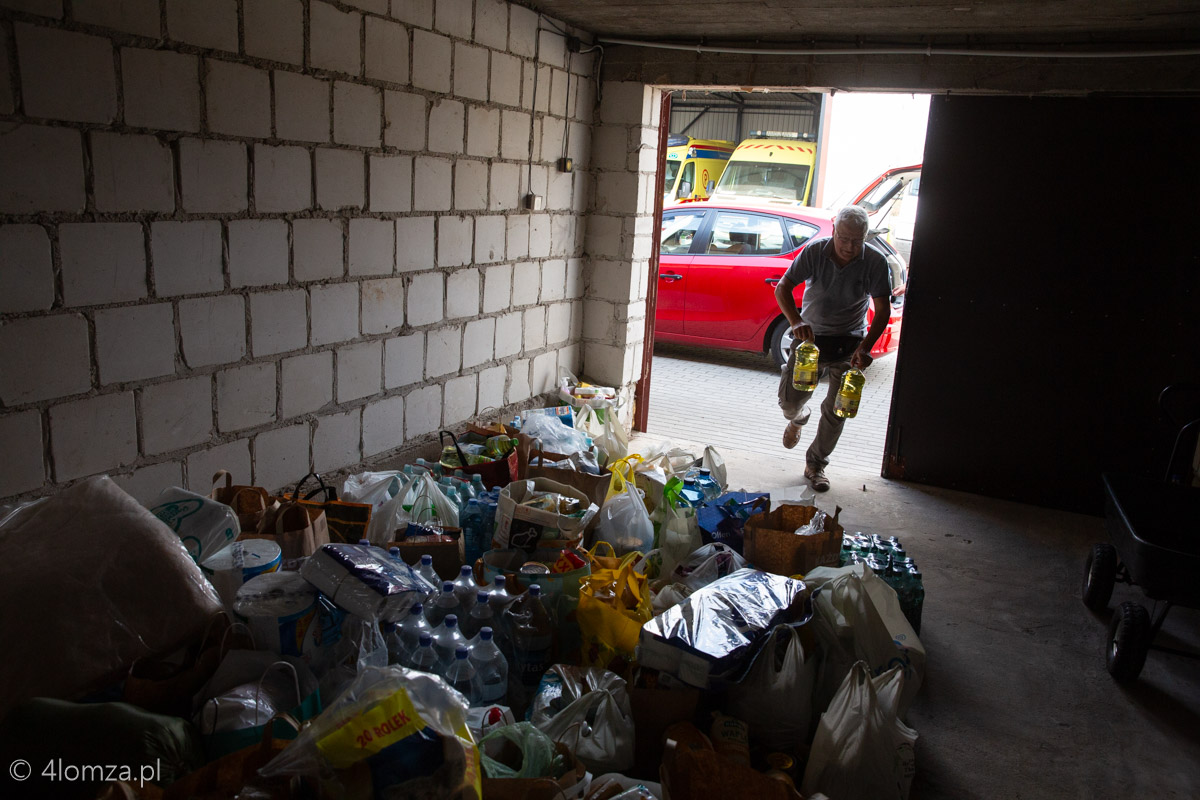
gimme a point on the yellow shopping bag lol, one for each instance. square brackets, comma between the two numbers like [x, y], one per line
[623, 472]
[614, 603]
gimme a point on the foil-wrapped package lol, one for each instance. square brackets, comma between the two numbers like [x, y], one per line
[365, 580]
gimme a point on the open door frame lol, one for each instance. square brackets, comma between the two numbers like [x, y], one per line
[641, 393]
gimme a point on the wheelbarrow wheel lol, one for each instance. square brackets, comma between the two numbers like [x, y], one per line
[1128, 641]
[1099, 576]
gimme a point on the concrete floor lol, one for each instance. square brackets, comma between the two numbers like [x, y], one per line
[1016, 701]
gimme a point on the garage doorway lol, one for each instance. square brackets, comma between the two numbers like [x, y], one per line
[711, 392]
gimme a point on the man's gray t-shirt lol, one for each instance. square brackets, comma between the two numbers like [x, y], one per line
[836, 298]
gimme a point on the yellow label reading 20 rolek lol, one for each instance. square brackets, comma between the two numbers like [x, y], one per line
[374, 730]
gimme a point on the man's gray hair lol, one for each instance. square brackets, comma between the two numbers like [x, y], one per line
[853, 217]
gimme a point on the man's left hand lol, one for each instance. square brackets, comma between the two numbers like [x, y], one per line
[861, 359]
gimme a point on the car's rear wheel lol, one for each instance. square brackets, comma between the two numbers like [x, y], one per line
[780, 342]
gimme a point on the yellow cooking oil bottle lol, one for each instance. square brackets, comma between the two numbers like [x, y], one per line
[849, 394]
[805, 372]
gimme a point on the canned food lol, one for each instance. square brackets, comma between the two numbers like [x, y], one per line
[534, 568]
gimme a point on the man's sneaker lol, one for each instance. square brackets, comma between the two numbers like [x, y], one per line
[816, 478]
[791, 435]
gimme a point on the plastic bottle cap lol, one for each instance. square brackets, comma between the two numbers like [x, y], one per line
[500, 579]
[535, 590]
[365, 541]
[461, 652]
[426, 640]
[466, 570]
[417, 608]
[426, 561]
[451, 620]
[485, 633]
[482, 597]
[394, 551]
[447, 586]
[473, 502]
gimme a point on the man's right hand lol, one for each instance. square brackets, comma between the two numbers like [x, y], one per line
[802, 332]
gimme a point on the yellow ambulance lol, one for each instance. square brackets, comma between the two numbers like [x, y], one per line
[693, 166]
[769, 171]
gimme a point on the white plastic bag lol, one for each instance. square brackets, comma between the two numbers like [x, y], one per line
[609, 435]
[625, 522]
[715, 464]
[554, 435]
[375, 488]
[391, 515]
[678, 537]
[587, 709]
[858, 617]
[706, 564]
[775, 698]
[862, 749]
[427, 503]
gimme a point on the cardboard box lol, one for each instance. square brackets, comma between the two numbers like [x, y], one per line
[771, 543]
[448, 557]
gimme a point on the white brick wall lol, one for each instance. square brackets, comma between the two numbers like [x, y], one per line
[387, 51]
[462, 294]
[213, 330]
[274, 29]
[423, 411]
[147, 483]
[282, 179]
[26, 375]
[425, 299]
[162, 89]
[404, 122]
[306, 383]
[279, 322]
[454, 241]
[391, 183]
[432, 184]
[267, 234]
[239, 99]
[338, 48]
[479, 341]
[258, 252]
[26, 274]
[383, 426]
[22, 467]
[102, 262]
[431, 61]
[334, 313]
[359, 371]
[357, 114]
[341, 179]
[245, 397]
[92, 435]
[415, 243]
[336, 440]
[176, 414]
[447, 126]
[318, 249]
[43, 169]
[213, 175]
[443, 352]
[470, 185]
[132, 173]
[545, 373]
[66, 75]
[404, 360]
[461, 395]
[382, 305]
[301, 107]
[281, 456]
[135, 342]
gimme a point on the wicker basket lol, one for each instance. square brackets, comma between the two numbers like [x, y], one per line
[773, 546]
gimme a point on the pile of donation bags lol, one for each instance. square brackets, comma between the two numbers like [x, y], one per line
[635, 631]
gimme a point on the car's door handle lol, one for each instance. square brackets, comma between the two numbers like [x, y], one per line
[671, 276]
[772, 281]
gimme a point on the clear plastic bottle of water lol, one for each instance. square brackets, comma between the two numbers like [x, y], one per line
[471, 522]
[446, 639]
[918, 599]
[709, 487]
[426, 659]
[491, 666]
[531, 637]
[463, 677]
[477, 485]
[465, 588]
[407, 635]
[498, 596]
[479, 616]
[444, 604]
[427, 572]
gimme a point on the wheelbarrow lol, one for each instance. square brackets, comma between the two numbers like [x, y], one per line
[1154, 526]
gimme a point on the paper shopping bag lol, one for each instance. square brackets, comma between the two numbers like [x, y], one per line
[248, 502]
[347, 522]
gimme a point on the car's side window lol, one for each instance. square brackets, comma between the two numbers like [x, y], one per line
[800, 232]
[678, 231]
[688, 178]
[741, 234]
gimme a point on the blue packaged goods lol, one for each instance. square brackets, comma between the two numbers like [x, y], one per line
[706, 640]
[723, 520]
[365, 580]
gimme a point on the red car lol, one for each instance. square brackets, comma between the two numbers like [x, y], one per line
[718, 267]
